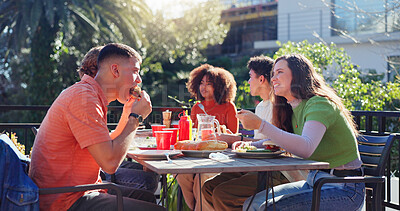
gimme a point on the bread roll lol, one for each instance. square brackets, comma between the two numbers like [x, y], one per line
[185, 145]
[178, 145]
[212, 145]
[201, 145]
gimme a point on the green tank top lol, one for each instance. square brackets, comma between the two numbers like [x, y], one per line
[338, 145]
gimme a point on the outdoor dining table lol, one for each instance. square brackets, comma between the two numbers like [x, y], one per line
[195, 165]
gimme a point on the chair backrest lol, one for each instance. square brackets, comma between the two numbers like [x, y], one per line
[374, 152]
[17, 190]
[8, 141]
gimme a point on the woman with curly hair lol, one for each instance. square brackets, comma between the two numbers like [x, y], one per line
[215, 88]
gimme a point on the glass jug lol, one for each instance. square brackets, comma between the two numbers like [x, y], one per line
[206, 129]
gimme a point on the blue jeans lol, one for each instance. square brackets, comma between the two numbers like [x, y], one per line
[131, 174]
[298, 195]
[102, 201]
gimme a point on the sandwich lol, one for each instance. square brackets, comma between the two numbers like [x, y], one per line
[271, 146]
[135, 92]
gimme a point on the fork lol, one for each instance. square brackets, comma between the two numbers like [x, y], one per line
[169, 159]
[202, 108]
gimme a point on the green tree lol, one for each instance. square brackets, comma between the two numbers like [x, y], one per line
[372, 95]
[43, 29]
[176, 46]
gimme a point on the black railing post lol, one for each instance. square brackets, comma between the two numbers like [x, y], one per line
[388, 184]
[368, 124]
[381, 124]
[357, 120]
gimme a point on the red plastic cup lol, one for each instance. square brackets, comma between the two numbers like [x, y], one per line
[163, 139]
[175, 125]
[174, 134]
[157, 128]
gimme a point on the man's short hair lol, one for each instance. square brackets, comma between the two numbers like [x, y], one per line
[115, 50]
[261, 65]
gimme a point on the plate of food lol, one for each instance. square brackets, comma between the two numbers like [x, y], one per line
[199, 153]
[145, 133]
[246, 150]
[258, 153]
[148, 147]
[153, 154]
[200, 148]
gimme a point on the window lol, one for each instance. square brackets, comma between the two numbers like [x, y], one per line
[365, 16]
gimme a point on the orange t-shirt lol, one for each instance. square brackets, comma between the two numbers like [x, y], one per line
[225, 113]
[76, 120]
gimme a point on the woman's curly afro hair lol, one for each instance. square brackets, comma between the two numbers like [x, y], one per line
[223, 82]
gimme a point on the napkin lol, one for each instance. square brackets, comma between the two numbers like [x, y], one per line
[218, 156]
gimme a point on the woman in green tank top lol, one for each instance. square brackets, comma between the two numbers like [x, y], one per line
[310, 121]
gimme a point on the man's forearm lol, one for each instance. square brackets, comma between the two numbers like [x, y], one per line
[120, 126]
[120, 144]
[124, 139]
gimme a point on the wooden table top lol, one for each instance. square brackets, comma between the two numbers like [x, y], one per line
[185, 165]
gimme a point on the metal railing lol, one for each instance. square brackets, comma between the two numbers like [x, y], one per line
[10, 116]
[368, 122]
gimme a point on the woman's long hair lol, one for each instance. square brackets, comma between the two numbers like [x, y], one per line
[306, 83]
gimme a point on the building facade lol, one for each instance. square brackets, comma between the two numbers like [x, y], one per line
[368, 30]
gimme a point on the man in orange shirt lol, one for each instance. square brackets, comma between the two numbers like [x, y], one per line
[73, 142]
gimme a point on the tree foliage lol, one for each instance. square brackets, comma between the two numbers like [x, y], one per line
[356, 94]
[371, 95]
[176, 46]
[44, 39]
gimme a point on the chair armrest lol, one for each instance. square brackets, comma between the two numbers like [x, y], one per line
[320, 182]
[80, 188]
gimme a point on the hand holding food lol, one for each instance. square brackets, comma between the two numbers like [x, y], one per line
[143, 105]
[249, 120]
[134, 94]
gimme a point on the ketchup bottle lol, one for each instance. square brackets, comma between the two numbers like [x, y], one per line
[185, 126]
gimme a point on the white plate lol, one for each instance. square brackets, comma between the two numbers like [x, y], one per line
[144, 133]
[199, 153]
[259, 154]
[153, 154]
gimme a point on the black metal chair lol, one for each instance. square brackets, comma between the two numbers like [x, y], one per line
[79, 188]
[374, 151]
